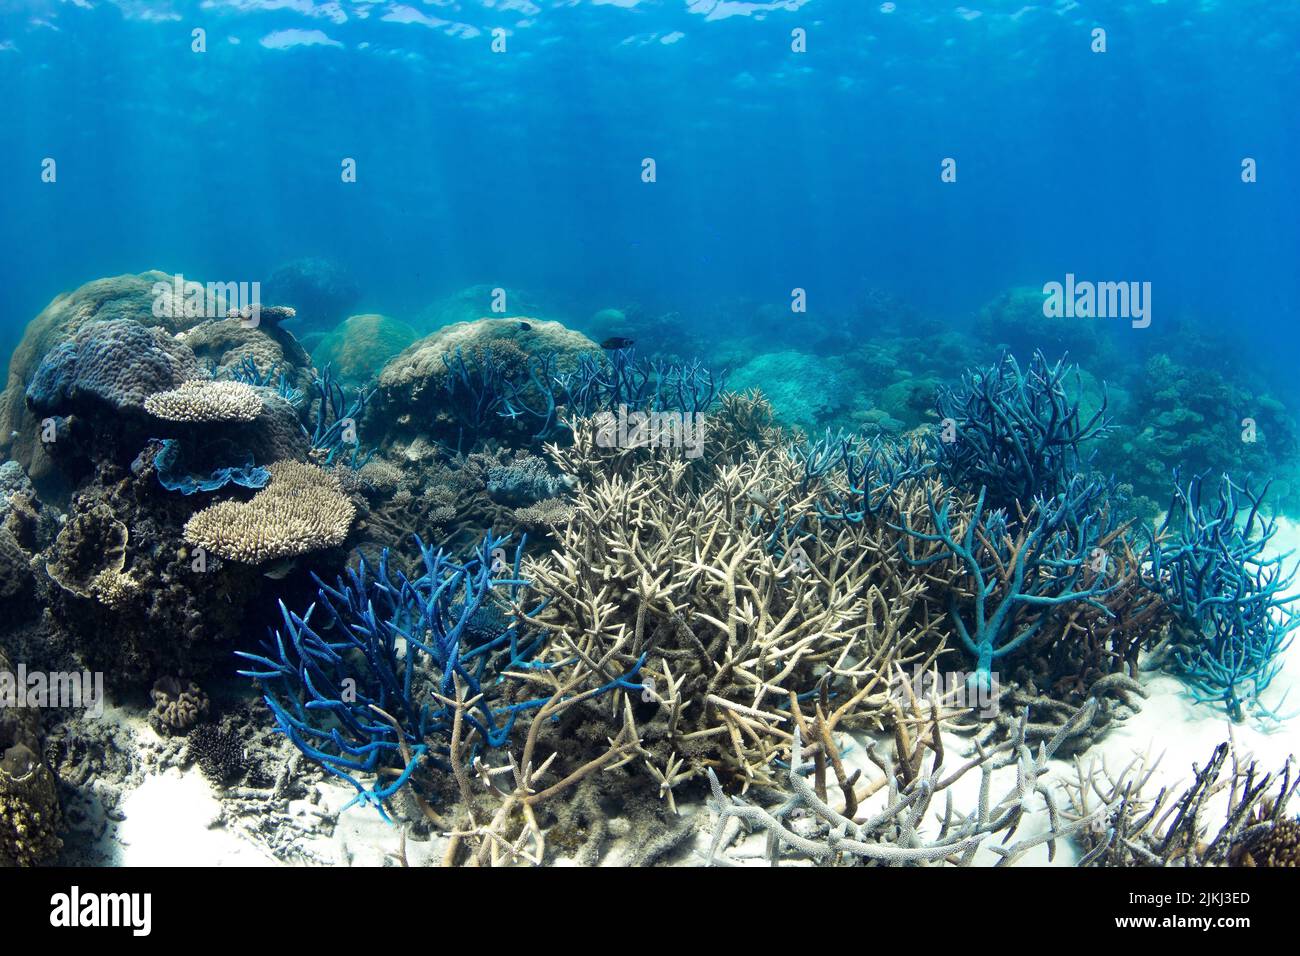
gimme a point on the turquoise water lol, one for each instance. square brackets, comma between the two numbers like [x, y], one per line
[775, 169]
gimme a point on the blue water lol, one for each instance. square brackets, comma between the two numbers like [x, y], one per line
[776, 169]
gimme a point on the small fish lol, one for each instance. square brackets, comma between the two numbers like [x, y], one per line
[617, 343]
[525, 327]
[280, 569]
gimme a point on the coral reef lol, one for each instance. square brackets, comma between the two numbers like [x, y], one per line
[460, 363]
[320, 290]
[30, 817]
[805, 826]
[1017, 435]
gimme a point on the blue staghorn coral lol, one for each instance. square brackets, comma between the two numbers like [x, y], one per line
[335, 421]
[370, 690]
[246, 371]
[1017, 434]
[606, 382]
[1233, 618]
[1017, 575]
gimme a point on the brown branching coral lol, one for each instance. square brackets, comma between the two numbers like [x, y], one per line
[1188, 830]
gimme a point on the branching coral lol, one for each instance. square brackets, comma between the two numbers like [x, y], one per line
[374, 691]
[1019, 435]
[1233, 618]
[671, 565]
[247, 372]
[605, 383]
[806, 826]
[1017, 576]
[1138, 829]
[335, 420]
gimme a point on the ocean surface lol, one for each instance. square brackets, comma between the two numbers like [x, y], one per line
[775, 169]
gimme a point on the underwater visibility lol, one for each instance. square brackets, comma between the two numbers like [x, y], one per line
[635, 433]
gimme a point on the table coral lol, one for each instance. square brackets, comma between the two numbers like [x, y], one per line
[302, 509]
[206, 400]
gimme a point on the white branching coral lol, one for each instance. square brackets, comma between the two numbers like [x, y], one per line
[302, 509]
[202, 400]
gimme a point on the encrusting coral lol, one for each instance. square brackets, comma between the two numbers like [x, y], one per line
[303, 508]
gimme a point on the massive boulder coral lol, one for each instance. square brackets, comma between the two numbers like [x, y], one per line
[112, 366]
[319, 289]
[223, 346]
[422, 389]
[358, 348]
[303, 509]
[103, 300]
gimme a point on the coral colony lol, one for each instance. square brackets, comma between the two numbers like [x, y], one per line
[504, 580]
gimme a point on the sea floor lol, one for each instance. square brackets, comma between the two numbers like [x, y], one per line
[164, 814]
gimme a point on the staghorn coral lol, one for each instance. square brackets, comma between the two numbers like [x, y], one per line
[805, 826]
[1016, 435]
[206, 400]
[1196, 828]
[672, 564]
[1232, 616]
[302, 509]
[416, 666]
